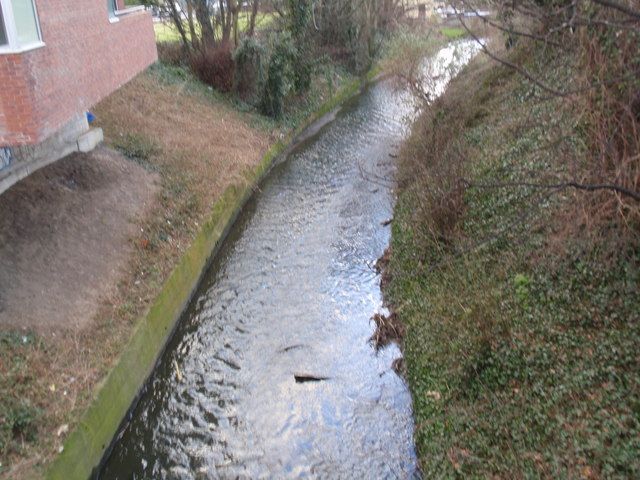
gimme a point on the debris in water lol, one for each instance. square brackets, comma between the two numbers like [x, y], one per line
[388, 329]
[291, 347]
[178, 372]
[386, 222]
[381, 267]
[305, 377]
[398, 365]
[393, 155]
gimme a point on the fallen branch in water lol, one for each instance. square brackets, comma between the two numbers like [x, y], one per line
[306, 377]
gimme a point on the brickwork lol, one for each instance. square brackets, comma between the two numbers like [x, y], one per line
[86, 57]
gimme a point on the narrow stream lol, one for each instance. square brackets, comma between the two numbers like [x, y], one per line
[291, 293]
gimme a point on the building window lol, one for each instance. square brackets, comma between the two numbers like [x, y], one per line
[111, 5]
[24, 13]
[3, 31]
[19, 28]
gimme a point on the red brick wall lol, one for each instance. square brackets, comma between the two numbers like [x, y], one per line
[17, 119]
[85, 58]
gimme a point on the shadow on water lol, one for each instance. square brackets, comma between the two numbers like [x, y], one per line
[270, 372]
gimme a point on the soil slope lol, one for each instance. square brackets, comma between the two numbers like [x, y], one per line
[64, 238]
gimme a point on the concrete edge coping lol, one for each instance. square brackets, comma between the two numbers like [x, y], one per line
[115, 394]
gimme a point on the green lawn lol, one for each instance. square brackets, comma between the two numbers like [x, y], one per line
[167, 32]
[453, 33]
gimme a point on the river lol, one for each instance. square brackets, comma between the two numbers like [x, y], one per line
[291, 292]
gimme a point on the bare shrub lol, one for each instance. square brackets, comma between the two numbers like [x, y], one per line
[215, 67]
[171, 53]
[433, 161]
[598, 43]
[612, 117]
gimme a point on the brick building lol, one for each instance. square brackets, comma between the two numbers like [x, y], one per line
[57, 59]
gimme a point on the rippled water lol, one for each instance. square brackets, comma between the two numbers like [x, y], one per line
[291, 292]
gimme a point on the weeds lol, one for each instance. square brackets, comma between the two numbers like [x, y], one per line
[520, 333]
[136, 147]
[19, 418]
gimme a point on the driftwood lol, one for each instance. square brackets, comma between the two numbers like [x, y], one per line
[307, 377]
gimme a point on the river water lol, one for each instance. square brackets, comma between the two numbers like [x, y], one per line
[291, 293]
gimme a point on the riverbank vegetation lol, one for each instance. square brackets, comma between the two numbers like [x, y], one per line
[269, 53]
[198, 120]
[515, 254]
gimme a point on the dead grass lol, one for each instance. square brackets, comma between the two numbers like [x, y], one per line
[198, 145]
[199, 135]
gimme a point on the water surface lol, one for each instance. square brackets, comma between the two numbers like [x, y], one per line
[291, 292]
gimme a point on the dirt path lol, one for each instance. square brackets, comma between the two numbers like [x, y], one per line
[64, 238]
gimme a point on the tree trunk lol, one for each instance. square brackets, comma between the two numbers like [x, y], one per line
[192, 28]
[177, 22]
[206, 28]
[235, 9]
[252, 20]
[226, 16]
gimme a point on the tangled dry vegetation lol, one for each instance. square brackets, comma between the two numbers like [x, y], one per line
[515, 265]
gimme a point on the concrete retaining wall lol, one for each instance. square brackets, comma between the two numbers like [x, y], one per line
[19, 162]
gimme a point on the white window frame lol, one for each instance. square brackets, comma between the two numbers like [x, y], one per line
[113, 16]
[125, 11]
[13, 45]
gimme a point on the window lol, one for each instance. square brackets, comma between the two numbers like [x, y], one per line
[111, 5]
[24, 14]
[3, 32]
[19, 28]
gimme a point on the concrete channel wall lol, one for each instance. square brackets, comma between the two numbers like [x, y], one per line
[114, 396]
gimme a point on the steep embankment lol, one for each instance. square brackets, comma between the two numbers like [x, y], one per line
[520, 304]
[200, 155]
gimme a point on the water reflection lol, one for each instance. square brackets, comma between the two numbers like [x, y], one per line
[292, 292]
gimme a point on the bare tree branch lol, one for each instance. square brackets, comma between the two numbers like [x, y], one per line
[556, 186]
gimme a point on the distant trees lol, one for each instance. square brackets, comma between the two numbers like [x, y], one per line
[282, 58]
[207, 24]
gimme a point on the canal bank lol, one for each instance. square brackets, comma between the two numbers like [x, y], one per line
[520, 306]
[85, 446]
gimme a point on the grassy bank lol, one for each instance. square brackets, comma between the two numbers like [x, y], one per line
[197, 142]
[521, 310]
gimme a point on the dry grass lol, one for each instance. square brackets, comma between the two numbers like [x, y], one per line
[202, 136]
[199, 145]
[388, 329]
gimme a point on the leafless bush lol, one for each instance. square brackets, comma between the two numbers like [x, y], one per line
[433, 162]
[215, 67]
[583, 57]
[171, 53]
[611, 65]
